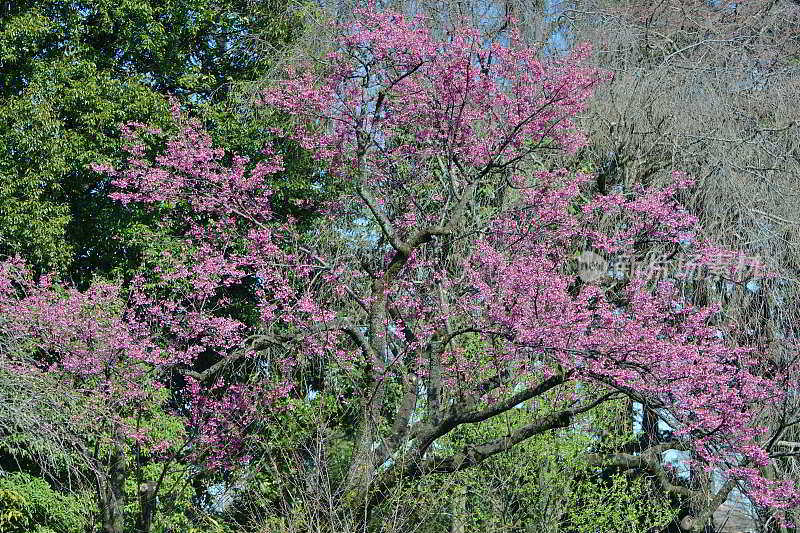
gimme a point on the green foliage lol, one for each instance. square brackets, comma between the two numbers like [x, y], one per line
[546, 484]
[620, 504]
[30, 505]
[179, 46]
[66, 117]
[11, 505]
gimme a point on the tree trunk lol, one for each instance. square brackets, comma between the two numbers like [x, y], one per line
[147, 507]
[112, 494]
[458, 509]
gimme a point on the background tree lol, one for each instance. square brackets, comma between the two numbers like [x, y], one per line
[73, 72]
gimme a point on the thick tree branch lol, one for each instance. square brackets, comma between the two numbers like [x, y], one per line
[650, 461]
[473, 417]
[474, 455]
[460, 412]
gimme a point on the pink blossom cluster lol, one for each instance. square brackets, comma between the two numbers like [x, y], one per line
[87, 341]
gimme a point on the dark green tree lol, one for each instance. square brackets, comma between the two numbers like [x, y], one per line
[71, 72]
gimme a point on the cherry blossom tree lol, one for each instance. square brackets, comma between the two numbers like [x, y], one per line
[441, 288]
[88, 384]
